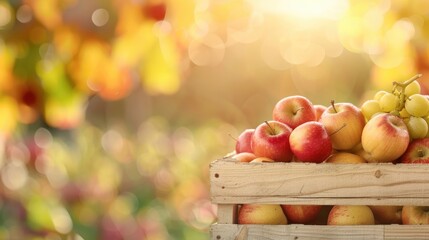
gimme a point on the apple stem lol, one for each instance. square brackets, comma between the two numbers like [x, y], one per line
[299, 109]
[399, 90]
[273, 132]
[333, 106]
[344, 125]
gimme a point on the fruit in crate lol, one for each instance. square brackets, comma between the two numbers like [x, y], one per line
[385, 138]
[301, 213]
[416, 215]
[294, 111]
[261, 159]
[244, 140]
[344, 123]
[350, 215]
[370, 108]
[271, 140]
[345, 157]
[319, 109]
[269, 214]
[387, 214]
[405, 101]
[244, 157]
[310, 142]
[417, 152]
[417, 127]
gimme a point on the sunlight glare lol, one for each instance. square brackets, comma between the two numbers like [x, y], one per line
[304, 9]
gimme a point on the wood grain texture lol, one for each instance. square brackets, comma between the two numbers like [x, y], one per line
[227, 213]
[327, 183]
[301, 232]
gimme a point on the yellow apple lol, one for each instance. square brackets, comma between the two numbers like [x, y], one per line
[385, 138]
[350, 215]
[416, 215]
[345, 157]
[269, 214]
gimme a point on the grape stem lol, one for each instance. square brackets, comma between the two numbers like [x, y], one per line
[406, 83]
[399, 90]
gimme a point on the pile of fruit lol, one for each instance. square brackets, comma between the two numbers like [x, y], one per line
[390, 128]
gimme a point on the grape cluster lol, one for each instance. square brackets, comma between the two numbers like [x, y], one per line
[406, 101]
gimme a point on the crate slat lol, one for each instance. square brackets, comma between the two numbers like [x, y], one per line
[325, 184]
[295, 232]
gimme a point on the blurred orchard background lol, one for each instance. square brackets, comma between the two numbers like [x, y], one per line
[112, 110]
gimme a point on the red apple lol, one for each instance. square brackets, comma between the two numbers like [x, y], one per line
[271, 140]
[244, 141]
[294, 111]
[417, 151]
[416, 215]
[319, 109]
[350, 215]
[310, 142]
[344, 123]
[385, 138]
[387, 214]
[301, 213]
[269, 214]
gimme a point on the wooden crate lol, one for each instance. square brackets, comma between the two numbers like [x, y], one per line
[233, 183]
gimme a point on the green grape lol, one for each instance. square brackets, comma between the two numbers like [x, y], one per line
[417, 105]
[379, 94]
[369, 108]
[412, 88]
[388, 102]
[417, 127]
[427, 122]
[404, 114]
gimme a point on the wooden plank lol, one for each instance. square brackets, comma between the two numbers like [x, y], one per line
[378, 184]
[400, 232]
[227, 213]
[302, 232]
[323, 201]
[294, 231]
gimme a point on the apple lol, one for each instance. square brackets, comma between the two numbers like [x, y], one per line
[322, 217]
[350, 215]
[417, 215]
[387, 214]
[310, 142]
[417, 151]
[271, 140]
[244, 141]
[301, 213]
[344, 123]
[261, 159]
[319, 109]
[244, 157]
[294, 111]
[345, 157]
[385, 138]
[269, 214]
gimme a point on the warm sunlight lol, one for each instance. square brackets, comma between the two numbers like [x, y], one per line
[305, 9]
